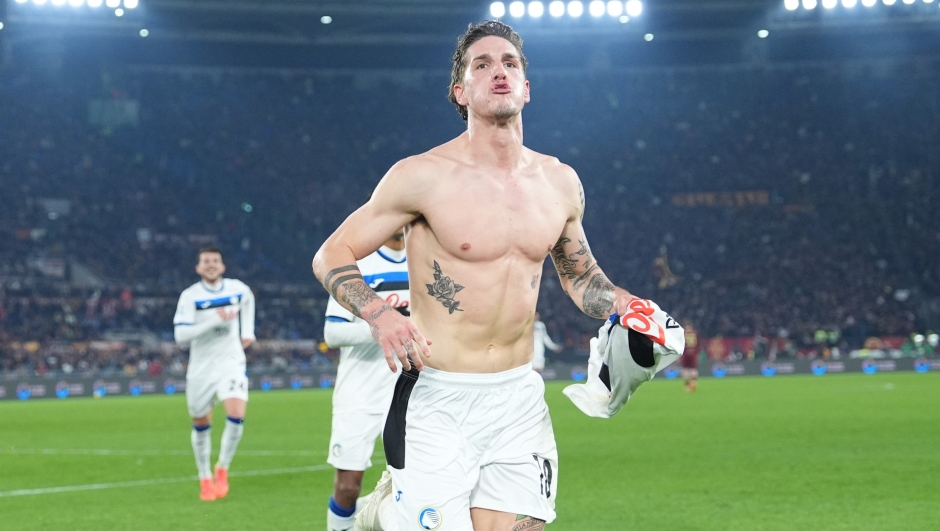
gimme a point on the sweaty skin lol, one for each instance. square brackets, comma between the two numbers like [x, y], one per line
[481, 214]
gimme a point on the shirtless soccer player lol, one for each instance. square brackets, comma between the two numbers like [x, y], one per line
[469, 439]
[364, 384]
[216, 317]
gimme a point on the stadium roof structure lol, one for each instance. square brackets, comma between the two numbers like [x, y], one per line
[406, 33]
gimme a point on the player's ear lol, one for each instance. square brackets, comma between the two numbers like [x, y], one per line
[460, 95]
[527, 95]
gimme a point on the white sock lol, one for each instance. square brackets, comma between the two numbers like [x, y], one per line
[234, 427]
[388, 515]
[334, 522]
[202, 448]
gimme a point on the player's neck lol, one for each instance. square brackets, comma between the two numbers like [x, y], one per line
[494, 142]
[212, 285]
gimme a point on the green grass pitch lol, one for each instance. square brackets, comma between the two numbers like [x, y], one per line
[840, 452]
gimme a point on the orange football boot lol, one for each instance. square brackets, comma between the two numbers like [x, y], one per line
[207, 490]
[221, 482]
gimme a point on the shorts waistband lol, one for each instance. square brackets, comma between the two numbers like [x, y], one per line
[473, 380]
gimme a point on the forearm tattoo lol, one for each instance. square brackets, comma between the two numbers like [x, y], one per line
[529, 524]
[357, 295]
[598, 297]
[444, 290]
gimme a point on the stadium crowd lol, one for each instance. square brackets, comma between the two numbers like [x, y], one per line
[752, 201]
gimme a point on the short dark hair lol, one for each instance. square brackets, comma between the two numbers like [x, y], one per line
[210, 249]
[474, 33]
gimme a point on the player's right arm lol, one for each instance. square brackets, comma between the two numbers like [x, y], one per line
[185, 328]
[394, 204]
[342, 329]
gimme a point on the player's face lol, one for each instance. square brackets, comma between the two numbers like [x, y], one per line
[210, 267]
[494, 84]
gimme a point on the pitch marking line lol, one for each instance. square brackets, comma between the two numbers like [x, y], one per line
[145, 482]
[138, 453]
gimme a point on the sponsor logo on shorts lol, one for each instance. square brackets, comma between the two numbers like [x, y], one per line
[398, 496]
[337, 450]
[430, 518]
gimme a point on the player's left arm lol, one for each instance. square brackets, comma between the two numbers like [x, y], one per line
[247, 316]
[581, 277]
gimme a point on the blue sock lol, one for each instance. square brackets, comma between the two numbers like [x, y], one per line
[202, 428]
[342, 512]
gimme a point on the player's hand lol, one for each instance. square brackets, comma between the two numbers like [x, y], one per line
[557, 349]
[247, 342]
[227, 315]
[622, 299]
[398, 336]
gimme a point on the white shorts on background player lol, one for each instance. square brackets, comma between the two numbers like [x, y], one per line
[216, 357]
[364, 383]
[363, 393]
[473, 441]
[540, 341]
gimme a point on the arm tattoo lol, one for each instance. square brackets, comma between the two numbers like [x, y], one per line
[357, 295]
[581, 192]
[444, 290]
[567, 264]
[598, 297]
[529, 524]
[329, 276]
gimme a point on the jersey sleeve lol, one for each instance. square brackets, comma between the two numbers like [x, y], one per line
[246, 314]
[335, 312]
[185, 311]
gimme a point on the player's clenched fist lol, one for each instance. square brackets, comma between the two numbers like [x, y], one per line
[398, 336]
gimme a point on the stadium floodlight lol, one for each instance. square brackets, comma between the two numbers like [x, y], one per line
[830, 4]
[849, 4]
[908, 2]
[634, 8]
[575, 9]
[762, 34]
[869, 3]
[497, 9]
[131, 4]
[791, 5]
[145, 33]
[517, 9]
[1, 25]
[39, 2]
[556, 8]
[58, 2]
[20, 1]
[597, 8]
[648, 37]
[624, 19]
[809, 4]
[112, 3]
[614, 8]
[326, 19]
[888, 2]
[119, 12]
[928, 1]
[76, 3]
[94, 3]
[536, 9]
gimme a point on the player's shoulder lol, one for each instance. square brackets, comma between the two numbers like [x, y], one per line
[192, 290]
[236, 284]
[559, 174]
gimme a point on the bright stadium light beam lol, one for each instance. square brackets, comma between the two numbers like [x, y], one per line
[131, 4]
[536, 9]
[1, 25]
[869, 3]
[517, 9]
[39, 2]
[849, 4]
[791, 5]
[634, 8]
[94, 3]
[20, 1]
[76, 3]
[762, 34]
[575, 9]
[58, 2]
[888, 2]
[614, 8]
[908, 2]
[648, 37]
[596, 8]
[119, 12]
[497, 9]
[809, 4]
[830, 4]
[556, 8]
[326, 19]
[624, 19]
[145, 33]
[112, 3]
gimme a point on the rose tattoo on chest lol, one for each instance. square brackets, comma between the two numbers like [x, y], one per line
[444, 289]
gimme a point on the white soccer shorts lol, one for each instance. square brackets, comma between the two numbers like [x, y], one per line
[460, 441]
[221, 382]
